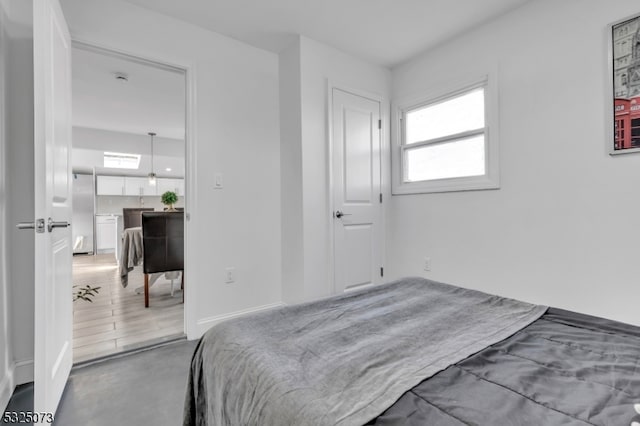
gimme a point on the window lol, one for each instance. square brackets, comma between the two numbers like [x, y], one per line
[118, 160]
[442, 142]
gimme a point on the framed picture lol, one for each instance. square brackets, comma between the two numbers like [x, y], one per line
[624, 59]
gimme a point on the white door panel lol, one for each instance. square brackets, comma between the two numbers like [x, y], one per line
[357, 139]
[358, 241]
[52, 189]
[356, 191]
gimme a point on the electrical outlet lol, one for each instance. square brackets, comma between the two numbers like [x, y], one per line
[230, 275]
[427, 264]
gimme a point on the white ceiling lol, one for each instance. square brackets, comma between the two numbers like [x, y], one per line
[385, 32]
[89, 146]
[153, 100]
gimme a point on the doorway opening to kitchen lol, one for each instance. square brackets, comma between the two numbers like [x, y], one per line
[129, 167]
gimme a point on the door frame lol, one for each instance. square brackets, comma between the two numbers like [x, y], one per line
[190, 296]
[384, 185]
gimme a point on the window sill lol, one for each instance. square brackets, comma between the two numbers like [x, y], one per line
[475, 183]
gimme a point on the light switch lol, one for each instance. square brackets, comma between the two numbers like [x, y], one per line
[230, 275]
[218, 181]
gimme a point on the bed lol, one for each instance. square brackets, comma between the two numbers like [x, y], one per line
[416, 352]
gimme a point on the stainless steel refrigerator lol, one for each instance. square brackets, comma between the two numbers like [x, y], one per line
[82, 213]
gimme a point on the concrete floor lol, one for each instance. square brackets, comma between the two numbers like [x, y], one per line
[21, 401]
[145, 388]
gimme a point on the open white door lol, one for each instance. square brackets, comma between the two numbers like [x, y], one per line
[53, 250]
[357, 198]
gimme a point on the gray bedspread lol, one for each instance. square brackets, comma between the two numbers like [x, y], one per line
[345, 359]
[564, 369]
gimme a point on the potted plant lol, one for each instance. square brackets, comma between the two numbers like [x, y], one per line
[169, 198]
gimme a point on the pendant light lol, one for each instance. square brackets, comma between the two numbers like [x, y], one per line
[152, 175]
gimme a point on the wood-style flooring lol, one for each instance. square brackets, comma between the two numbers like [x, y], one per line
[117, 320]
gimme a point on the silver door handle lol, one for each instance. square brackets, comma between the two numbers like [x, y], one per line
[51, 224]
[339, 214]
[38, 225]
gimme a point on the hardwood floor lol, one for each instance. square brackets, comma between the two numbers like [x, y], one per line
[117, 320]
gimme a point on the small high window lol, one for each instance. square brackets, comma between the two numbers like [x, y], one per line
[443, 143]
[118, 160]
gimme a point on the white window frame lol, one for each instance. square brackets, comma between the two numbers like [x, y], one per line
[491, 178]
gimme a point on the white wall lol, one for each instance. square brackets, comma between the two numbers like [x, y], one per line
[16, 202]
[19, 187]
[561, 229]
[236, 134]
[315, 65]
[291, 174]
[6, 361]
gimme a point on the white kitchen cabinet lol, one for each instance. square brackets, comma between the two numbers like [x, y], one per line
[139, 186]
[149, 189]
[180, 183]
[168, 184]
[110, 185]
[106, 233]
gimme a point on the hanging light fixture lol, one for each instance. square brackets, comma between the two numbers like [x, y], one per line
[152, 175]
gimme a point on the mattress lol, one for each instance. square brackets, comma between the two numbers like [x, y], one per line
[416, 352]
[563, 369]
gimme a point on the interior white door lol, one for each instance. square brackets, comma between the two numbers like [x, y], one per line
[53, 249]
[357, 197]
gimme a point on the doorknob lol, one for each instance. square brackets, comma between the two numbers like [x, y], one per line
[38, 225]
[339, 214]
[51, 224]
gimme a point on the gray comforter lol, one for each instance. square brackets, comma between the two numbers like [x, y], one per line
[564, 369]
[345, 359]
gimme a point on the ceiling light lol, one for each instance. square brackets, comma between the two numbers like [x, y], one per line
[152, 175]
[168, 169]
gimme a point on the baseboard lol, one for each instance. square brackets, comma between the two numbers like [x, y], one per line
[7, 385]
[206, 323]
[23, 372]
[16, 374]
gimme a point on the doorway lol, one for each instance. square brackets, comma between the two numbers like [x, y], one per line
[128, 152]
[356, 128]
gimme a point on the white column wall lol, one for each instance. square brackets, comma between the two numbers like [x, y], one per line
[291, 187]
[319, 66]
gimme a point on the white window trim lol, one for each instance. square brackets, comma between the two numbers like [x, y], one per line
[491, 178]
